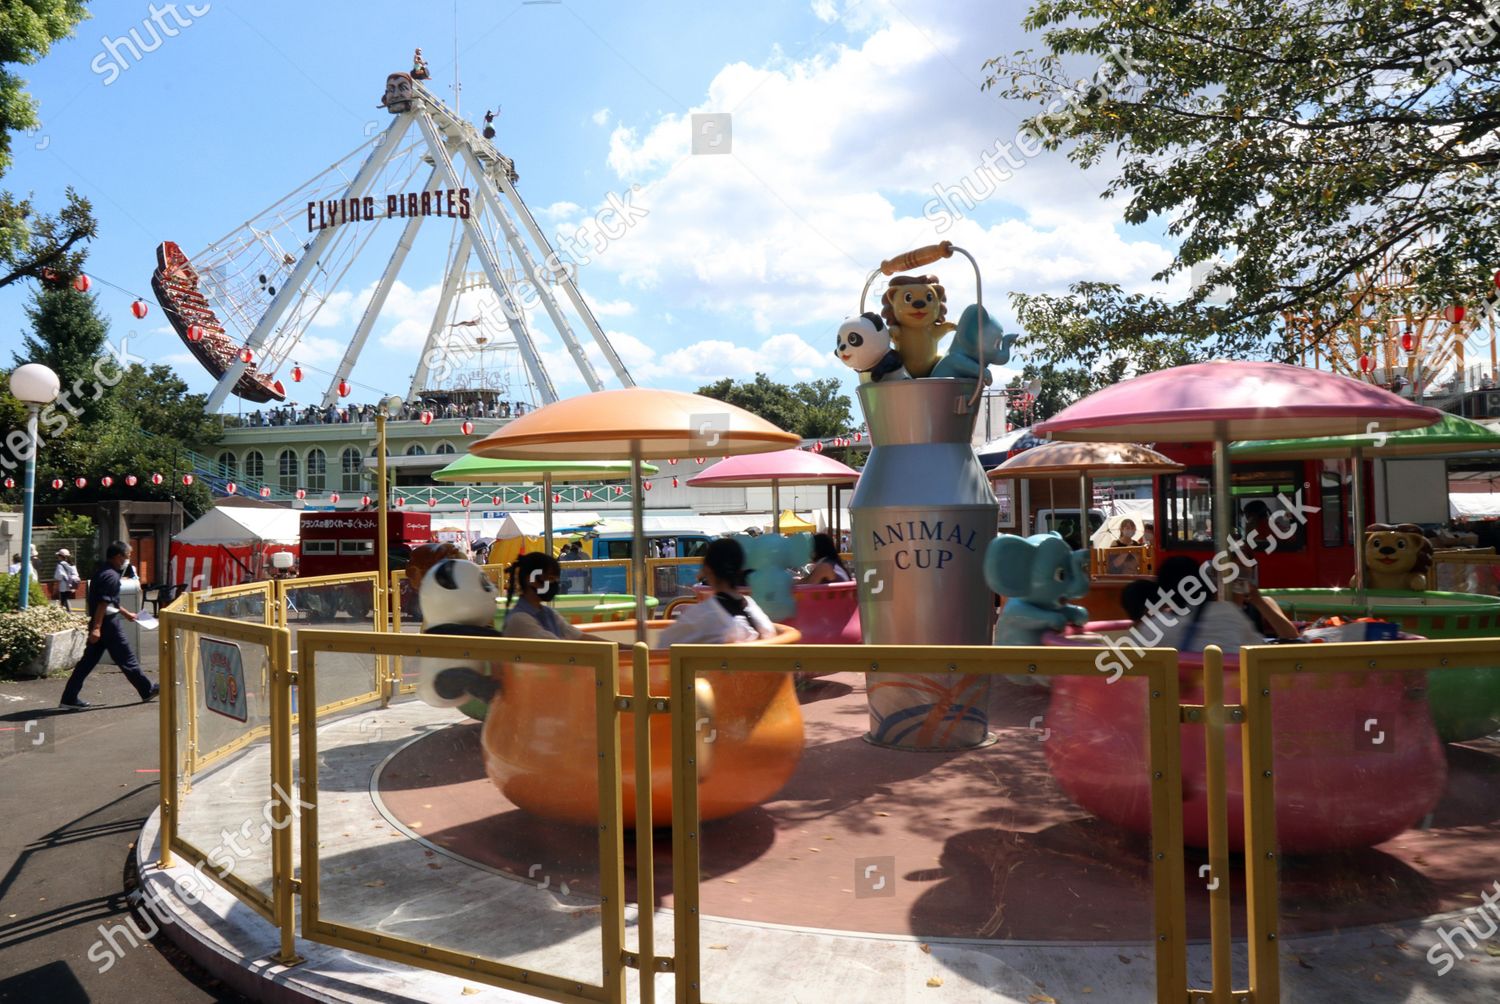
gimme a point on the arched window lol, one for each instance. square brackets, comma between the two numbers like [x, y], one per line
[445, 448]
[353, 467]
[317, 469]
[288, 469]
[227, 466]
[255, 466]
[416, 450]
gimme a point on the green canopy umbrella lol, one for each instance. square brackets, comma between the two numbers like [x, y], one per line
[1448, 435]
[484, 470]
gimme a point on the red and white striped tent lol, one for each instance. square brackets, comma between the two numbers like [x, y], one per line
[232, 544]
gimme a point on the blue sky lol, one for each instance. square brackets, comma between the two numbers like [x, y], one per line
[845, 117]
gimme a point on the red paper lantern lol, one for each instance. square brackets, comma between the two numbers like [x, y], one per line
[139, 309]
[672, 461]
[699, 460]
[1455, 314]
[265, 493]
[57, 482]
[464, 502]
[858, 436]
[818, 447]
[80, 482]
[10, 482]
[1497, 277]
[426, 417]
[646, 485]
[556, 498]
[333, 497]
[526, 499]
[400, 502]
[106, 481]
[82, 283]
[301, 493]
[157, 479]
[343, 388]
[246, 355]
[496, 500]
[296, 373]
[364, 500]
[195, 333]
[187, 479]
[231, 488]
[467, 428]
[431, 502]
[130, 480]
[1408, 342]
[1366, 364]
[619, 490]
[674, 482]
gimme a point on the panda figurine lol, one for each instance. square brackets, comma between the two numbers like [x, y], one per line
[864, 345]
[458, 598]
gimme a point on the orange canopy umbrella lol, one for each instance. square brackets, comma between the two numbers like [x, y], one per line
[634, 424]
[1085, 460]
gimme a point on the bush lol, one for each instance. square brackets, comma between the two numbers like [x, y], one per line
[10, 592]
[23, 632]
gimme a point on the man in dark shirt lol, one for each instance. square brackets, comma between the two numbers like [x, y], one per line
[106, 632]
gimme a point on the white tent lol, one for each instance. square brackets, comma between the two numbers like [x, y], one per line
[1474, 505]
[242, 525]
[530, 524]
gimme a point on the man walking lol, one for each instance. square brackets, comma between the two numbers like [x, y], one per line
[106, 632]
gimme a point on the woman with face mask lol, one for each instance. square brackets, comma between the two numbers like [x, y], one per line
[531, 584]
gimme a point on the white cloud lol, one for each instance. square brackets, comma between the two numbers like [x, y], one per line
[600, 117]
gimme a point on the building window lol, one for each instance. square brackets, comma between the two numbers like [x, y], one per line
[317, 469]
[226, 465]
[353, 466]
[445, 448]
[1264, 502]
[255, 466]
[416, 450]
[287, 467]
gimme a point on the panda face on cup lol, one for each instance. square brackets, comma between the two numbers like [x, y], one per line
[862, 342]
[457, 592]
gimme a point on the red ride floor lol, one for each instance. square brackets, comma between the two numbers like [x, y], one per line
[984, 844]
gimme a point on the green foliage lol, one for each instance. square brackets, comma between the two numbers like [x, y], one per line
[24, 632]
[73, 527]
[812, 409]
[31, 242]
[1292, 146]
[67, 334]
[10, 592]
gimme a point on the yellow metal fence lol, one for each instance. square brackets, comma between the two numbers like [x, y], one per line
[621, 694]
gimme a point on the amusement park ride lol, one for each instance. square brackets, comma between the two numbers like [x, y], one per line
[244, 303]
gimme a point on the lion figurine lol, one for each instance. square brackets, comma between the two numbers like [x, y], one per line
[916, 310]
[1396, 557]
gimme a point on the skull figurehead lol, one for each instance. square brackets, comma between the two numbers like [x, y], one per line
[398, 93]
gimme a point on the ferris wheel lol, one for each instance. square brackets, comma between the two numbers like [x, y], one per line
[244, 303]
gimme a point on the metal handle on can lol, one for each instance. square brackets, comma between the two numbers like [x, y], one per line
[916, 258]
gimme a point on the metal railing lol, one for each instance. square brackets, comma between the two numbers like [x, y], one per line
[622, 697]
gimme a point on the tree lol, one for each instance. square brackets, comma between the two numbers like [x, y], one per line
[68, 334]
[33, 245]
[814, 409]
[1292, 148]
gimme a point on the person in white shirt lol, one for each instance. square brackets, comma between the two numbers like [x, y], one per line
[1189, 619]
[66, 577]
[726, 617]
[827, 565]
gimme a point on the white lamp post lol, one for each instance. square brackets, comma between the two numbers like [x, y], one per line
[34, 385]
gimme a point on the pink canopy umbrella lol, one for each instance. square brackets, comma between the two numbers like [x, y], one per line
[1225, 400]
[784, 467]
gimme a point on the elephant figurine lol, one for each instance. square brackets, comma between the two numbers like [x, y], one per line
[962, 357]
[770, 558]
[1037, 575]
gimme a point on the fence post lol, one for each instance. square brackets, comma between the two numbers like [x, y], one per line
[282, 870]
[166, 663]
[1261, 854]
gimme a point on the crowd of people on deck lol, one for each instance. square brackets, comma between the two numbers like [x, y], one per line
[293, 414]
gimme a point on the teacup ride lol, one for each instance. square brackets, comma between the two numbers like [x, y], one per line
[1217, 402]
[750, 736]
[1332, 791]
[826, 613]
[524, 733]
[1088, 462]
[1465, 702]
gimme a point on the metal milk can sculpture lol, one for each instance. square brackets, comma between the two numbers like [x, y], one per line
[923, 514]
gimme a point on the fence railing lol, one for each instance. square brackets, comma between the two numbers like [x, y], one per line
[231, 691]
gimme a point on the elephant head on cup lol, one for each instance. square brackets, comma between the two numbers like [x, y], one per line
[1037, 575]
